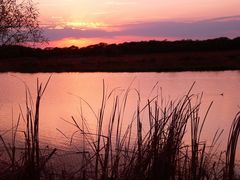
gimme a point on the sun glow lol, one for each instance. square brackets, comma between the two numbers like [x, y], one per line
[83, 42]
[87, 25]
[67, 42]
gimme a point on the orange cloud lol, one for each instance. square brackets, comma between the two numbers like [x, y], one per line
[81, 24]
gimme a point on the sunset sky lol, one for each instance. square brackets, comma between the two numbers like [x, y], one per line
[85, 22]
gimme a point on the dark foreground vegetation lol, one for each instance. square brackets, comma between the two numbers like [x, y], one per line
[150, 56]
[158, 152]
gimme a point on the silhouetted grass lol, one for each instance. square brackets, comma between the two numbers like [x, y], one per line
[29, 163]
[151, 146]
[231, 147]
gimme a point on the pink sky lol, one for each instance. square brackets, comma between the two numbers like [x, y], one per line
[110, 16]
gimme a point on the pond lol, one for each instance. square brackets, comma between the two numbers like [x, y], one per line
[78, 94]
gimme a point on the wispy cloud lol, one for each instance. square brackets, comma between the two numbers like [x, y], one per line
[56, 34]
[195, 30]
[222, 26]
[225, 18]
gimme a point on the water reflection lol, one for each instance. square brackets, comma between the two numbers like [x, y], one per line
[66, 93]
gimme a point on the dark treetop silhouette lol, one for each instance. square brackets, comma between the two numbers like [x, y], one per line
[151, 56]
[19, 23]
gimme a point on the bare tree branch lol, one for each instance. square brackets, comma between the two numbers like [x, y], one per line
[19, 23]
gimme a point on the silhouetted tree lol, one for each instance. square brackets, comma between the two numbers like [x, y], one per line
[19, 23]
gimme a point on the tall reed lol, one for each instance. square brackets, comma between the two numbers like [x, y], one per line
[158, 152]
[151, 146]
[30, 163]
[232, 147]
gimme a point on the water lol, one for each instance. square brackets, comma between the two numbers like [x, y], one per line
[62, 99]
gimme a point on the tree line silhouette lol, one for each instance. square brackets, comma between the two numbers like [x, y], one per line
[127, 48]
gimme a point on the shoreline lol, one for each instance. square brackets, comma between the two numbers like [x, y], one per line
[153, 62]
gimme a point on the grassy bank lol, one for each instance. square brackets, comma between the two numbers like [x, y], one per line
[117, 150]
[149, 56]
[159, 62]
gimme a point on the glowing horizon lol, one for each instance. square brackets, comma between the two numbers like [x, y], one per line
[115, 19]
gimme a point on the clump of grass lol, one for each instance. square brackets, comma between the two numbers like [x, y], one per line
[231, 147]
[151, 146]
[157, 153]
[27, 162]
